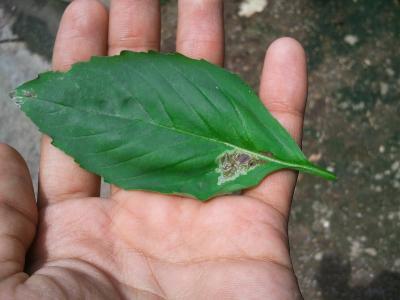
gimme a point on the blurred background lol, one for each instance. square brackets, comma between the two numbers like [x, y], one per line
[345, 235]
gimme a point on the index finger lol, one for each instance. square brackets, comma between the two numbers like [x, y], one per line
[201, 30]
[82, 34]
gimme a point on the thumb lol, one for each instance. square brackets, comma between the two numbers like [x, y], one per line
[18, 213]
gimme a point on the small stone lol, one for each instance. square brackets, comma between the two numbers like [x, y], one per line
[326, 223]
[351, 39]
[367, 62]
[390, 72]
[359, 106]
[371, 251]
[397, 263]
[318, 256]
[330, 169]
[355, 249]
[381, 149]
[384, 88]
[344, 105]
[249, 7]
[378, 176]
[315, 157]
[395, 166]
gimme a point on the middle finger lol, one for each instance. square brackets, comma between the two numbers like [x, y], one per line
[201, 29]
[134, 25]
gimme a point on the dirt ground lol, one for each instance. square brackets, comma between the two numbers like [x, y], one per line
[344, 235]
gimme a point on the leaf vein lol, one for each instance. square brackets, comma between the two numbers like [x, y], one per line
[296, 165]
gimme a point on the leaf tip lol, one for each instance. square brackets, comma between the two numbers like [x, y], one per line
[331, 176]
[328, 175]
[19, 96]
[12, 94]
[18, 101]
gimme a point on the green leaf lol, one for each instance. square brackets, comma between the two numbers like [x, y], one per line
[162, 122]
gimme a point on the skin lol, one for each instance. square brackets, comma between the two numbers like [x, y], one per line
[142, 245]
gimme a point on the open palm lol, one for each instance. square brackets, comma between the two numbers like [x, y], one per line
[142, 245]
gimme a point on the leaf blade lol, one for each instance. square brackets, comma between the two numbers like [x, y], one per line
[164, 101]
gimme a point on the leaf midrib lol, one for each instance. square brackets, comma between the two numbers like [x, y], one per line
[298, 166]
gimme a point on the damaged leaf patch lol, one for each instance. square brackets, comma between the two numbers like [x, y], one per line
[234, 163]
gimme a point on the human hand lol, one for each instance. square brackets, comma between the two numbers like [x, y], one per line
[142, 245]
